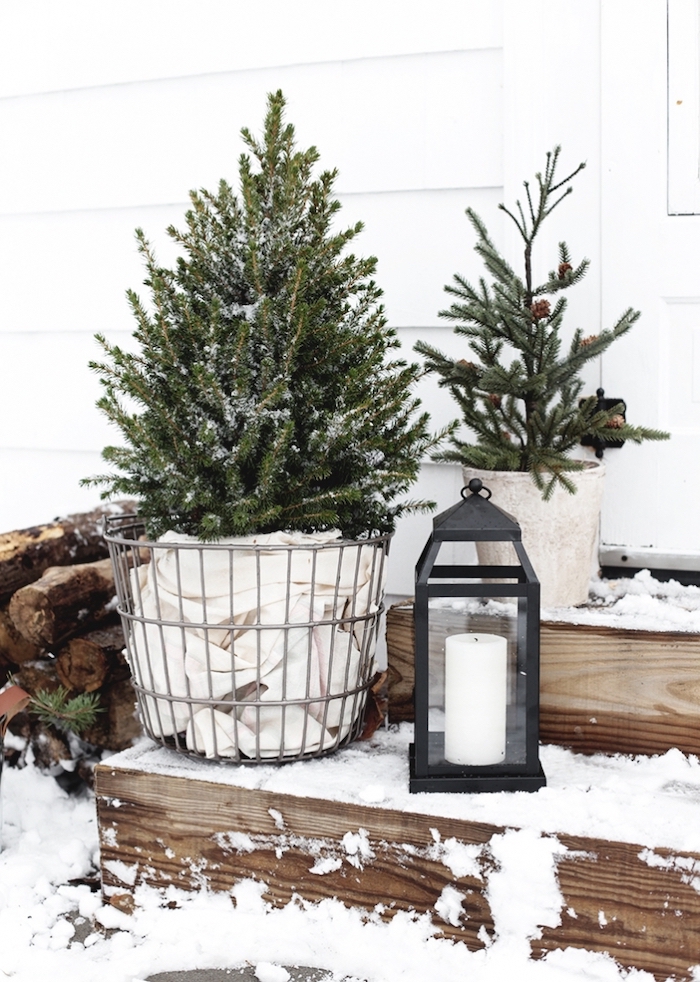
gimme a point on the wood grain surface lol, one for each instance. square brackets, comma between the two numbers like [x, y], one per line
[63, 601]
[191, 833]
[640, 907]
[606, 689]
[601, 689]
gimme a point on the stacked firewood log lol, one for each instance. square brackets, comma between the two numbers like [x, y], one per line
[59, 627]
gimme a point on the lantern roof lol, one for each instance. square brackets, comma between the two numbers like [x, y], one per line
[476, 518]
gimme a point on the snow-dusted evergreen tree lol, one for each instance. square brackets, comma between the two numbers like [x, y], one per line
[261, 395]
[519, 394]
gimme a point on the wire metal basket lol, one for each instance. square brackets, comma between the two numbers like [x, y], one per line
[258, 650]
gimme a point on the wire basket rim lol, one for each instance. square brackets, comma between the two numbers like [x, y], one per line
[111, 536]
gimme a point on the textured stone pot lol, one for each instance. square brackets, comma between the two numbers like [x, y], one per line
[560, 535]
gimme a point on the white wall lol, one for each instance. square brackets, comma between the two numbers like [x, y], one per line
[111, 113]
[652, 262]
[593, 76]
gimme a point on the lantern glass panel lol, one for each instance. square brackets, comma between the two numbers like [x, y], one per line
[476, 627]
[486, 678]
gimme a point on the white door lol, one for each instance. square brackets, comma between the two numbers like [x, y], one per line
[650, 252]
[592, 76]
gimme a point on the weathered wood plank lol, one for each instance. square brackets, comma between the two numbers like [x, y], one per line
[639, 906]
[160, 829]
[601, 689]
[400, 643]
[606, 689]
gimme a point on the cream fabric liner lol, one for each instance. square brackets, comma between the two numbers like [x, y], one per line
[199, 664]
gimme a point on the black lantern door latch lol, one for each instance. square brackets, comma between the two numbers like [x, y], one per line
[599, 444]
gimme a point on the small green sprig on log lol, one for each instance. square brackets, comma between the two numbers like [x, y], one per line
[72, 714]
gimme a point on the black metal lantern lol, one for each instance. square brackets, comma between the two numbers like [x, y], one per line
[476, 658]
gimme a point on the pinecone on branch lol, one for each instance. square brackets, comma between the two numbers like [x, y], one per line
[515, 335]
[540, 309]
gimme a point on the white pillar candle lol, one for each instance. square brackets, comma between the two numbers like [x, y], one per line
[476, 686]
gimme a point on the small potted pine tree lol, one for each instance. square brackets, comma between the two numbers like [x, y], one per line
[519, 393]
[268, 433]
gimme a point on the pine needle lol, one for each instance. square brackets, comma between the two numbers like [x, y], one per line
[72, 715]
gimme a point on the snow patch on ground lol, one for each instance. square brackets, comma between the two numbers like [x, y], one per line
[50, 839]
[266, 972]
[639, 603]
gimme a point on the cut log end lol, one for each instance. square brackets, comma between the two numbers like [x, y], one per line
[65, 600]
[88, 661]
[25, 554]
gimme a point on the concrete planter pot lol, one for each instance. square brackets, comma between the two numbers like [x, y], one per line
[560, 535]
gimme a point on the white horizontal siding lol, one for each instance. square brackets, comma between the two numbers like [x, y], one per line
[48, 401]
[421, 240]
[69, 271]
[409, 112]
[47, 46]
[58, 412]
[400, 123]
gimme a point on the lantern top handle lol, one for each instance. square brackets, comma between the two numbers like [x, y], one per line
[476, 487]
[475, 518]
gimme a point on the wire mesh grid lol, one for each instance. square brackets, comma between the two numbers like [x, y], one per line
[249, 651]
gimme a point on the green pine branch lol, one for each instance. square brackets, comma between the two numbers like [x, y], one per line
[262, 393]
[518, 391]
[72, 714]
